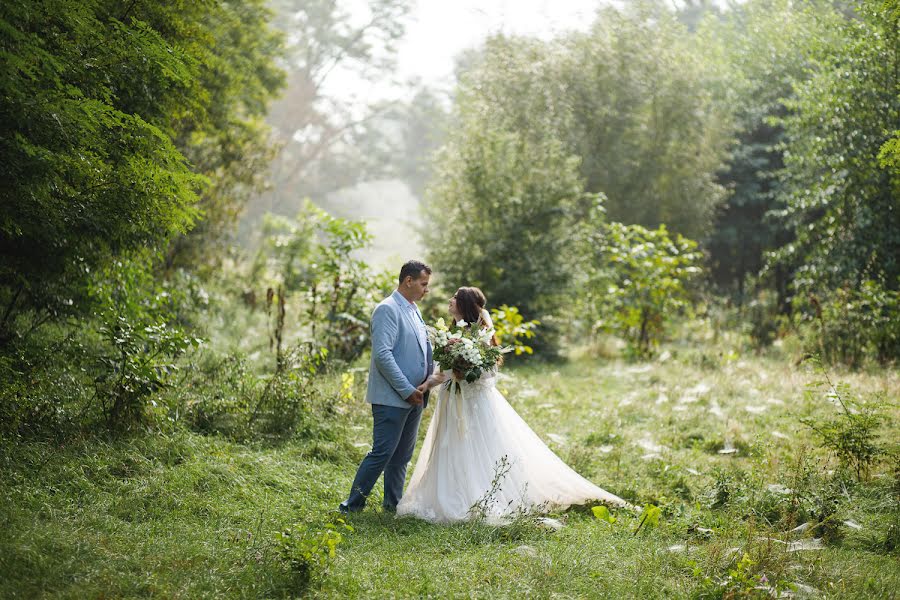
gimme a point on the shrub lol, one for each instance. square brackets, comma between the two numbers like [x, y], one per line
[227, 397]
[854, 324]
[512, 328]
[640, 282]
[314, 256]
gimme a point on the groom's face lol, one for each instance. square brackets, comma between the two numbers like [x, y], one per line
[418, 287]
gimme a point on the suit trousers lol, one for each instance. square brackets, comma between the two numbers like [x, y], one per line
[393, 440]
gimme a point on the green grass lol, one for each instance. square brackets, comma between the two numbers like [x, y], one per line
[185, 515]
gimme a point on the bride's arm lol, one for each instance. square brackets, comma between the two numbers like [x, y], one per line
[437, 378]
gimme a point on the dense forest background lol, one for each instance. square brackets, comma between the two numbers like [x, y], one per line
[194, 228]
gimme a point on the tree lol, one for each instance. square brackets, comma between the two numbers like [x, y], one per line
[223, 136]
[541, 128]
[325, 142]
[890, 151]
[645, 120]
[632, 98]
[121, 127]
[500, 207]
[762, 47]
[839, 199]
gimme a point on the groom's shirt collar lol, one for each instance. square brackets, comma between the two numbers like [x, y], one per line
[403, 301]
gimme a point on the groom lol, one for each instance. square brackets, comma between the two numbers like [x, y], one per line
[401, 361]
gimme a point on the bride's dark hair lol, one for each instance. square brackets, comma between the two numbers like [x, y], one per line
[469, 303]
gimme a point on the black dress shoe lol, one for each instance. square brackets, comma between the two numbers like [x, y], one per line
[346, 510]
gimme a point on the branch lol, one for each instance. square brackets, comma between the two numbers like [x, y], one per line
[9, 308]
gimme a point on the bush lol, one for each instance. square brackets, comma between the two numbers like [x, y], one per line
[313, 257]
[227, 397]
[762, 322]
[512, 328]
[640, 281]
[854, 324]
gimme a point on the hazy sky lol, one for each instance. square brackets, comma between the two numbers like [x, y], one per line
[437, 30]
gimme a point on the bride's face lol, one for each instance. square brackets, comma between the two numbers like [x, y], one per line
[452, 307]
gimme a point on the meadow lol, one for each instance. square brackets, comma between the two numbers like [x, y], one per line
[750, 502]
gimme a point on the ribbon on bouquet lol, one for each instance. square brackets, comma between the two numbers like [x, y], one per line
[458, 398]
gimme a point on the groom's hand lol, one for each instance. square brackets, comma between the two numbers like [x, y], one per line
[416, 398]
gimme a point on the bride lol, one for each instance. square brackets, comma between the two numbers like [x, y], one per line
[480, 459]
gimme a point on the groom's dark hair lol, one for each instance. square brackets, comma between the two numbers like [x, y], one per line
[413, 268]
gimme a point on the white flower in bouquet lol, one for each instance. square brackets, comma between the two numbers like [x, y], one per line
[468, 351]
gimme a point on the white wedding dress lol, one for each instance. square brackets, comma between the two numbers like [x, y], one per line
[480, 459]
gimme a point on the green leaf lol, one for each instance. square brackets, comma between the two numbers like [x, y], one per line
[602, 513]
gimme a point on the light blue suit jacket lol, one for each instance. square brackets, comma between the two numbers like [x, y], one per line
[401, 354]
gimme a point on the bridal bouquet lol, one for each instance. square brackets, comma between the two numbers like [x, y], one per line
[467, 351]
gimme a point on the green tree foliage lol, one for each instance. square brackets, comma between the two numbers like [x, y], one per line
[762, 49]
[624, 110]
[328, 142]
[890, 151]
[424, 124]
[122, 125]
[223, 136]
[84, 174]
[633, 98]
[645, 120]
[500, 211]
[840, 200]
[854, 324]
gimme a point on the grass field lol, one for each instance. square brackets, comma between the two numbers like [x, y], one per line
[713, 438]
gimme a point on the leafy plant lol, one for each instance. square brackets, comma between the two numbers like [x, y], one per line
[137, 324]
[742, 580]
[123, 125]
[853, 434]
[641, 280]
[602, 513]
[511, 328]
[310, 548]
[142, 364]
[649, 517]
[286, 396]
[314, 257]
